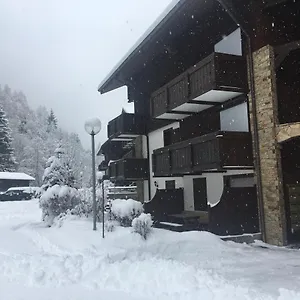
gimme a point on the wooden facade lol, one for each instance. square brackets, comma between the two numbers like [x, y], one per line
[212, 151]
[218, 71]
[129, 169]
[164, 203]
[237, 212]
[126, 125]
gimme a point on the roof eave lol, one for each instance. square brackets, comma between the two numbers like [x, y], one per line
[112, 81]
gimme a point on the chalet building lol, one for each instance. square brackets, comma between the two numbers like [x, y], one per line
[215, 132]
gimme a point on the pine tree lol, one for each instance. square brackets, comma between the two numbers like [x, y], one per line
[57, 171]
[52, 121]
[7, 160]
[58, 193]
[22, 127]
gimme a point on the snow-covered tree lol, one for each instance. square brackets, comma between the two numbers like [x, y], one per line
[58, 193]
[7, 160]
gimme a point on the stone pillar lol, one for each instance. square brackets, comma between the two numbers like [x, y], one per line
[270, 156]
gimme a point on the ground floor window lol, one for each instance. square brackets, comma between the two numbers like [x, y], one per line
[170, 184]
[239, 181]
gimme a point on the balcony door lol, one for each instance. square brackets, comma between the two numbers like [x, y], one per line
[200, 194]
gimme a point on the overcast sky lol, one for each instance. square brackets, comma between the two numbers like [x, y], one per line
[58, 51]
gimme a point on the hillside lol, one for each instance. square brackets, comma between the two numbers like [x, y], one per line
[36, 134]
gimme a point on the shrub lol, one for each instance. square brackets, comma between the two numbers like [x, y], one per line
[57, 200]
[143, 225]
[110, 226]
[124, 211]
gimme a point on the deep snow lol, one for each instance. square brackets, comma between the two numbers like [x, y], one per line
[73, 262]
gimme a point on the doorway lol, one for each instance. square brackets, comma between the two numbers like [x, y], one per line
[200, 194]
[290, 161]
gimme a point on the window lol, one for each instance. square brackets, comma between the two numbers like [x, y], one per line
[168, 137]
[240, 181]
[235, 118]
[170, 184]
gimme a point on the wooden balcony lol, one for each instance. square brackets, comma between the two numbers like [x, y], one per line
[129, 169]
[217, 151]
[126, 127]
[214, 80]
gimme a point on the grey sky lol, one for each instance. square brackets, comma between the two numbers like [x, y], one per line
[58, 51]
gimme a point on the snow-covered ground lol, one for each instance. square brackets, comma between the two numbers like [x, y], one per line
[73, 262]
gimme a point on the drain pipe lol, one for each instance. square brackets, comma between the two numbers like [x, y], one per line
[255, 126]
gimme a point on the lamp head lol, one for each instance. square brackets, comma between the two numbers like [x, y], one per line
[92, 126]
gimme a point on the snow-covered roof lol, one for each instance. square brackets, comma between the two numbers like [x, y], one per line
[25, 189]
[139, 43]
[15, 176]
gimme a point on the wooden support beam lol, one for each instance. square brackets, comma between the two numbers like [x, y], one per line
[202, 102]
[285, 132]
[180, 112]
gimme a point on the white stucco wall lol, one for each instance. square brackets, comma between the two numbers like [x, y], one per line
[156, 140]
[215, 185]
[235, 118]
[144, 146]
[146, 191]
[231, 44]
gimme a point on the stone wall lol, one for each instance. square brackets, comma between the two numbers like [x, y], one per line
[270, 157]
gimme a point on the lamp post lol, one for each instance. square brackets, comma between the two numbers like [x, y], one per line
[93, 127]
[101, 178]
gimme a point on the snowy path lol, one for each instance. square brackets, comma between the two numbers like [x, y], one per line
[73, 262]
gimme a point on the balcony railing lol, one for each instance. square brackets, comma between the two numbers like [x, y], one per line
[126, 126]
[215, 79]
[129, 169]
[216, 151]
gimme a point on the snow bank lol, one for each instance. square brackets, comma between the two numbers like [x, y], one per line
[74, 262]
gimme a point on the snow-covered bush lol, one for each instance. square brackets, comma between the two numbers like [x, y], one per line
[143, 225]
[85, 207]
[57, 200]
[124, 211]
[110, 225]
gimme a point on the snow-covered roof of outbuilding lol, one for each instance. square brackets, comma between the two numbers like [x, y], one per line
[15, 176]
[102, 88]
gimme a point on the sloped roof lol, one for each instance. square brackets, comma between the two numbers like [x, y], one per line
[15, 176]
[170, 46]
[110, 82]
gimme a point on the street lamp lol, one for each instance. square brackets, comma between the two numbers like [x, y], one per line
[93, 127]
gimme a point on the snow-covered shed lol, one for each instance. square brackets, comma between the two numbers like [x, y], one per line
[14, 179]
